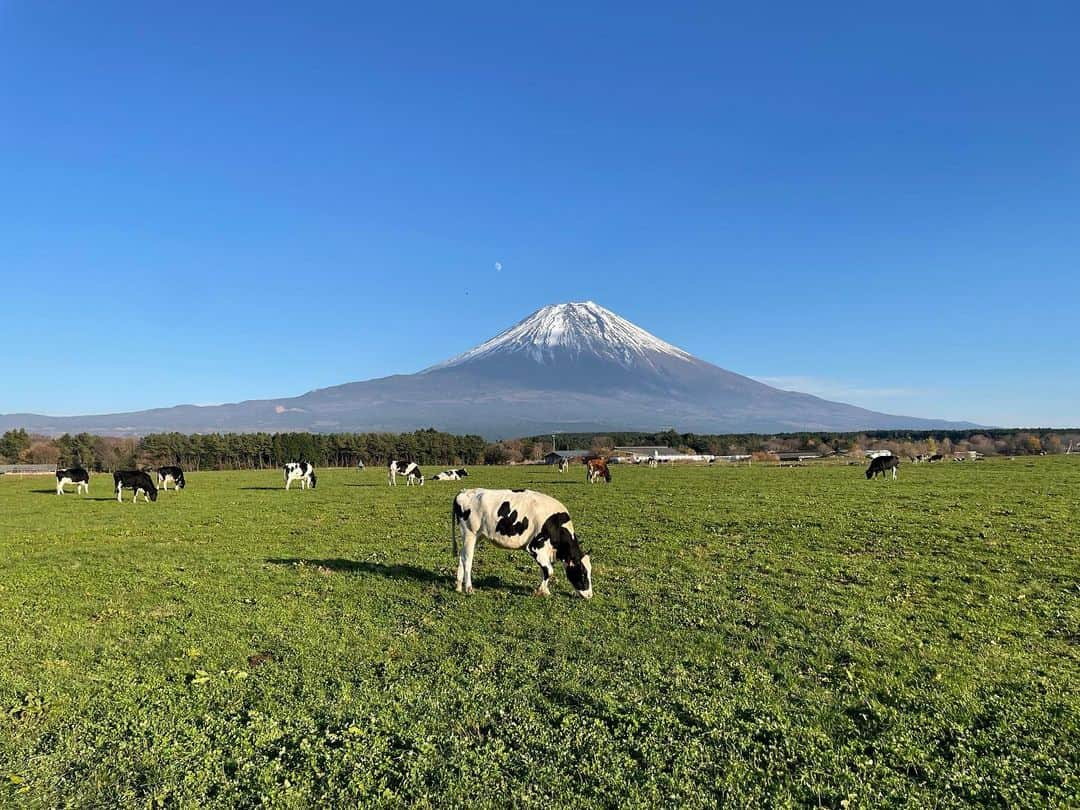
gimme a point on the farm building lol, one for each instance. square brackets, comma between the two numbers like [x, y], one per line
[645, 453]
[637, 455]
[558, 456]
[803, 455]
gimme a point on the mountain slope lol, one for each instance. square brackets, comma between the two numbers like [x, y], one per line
[574, 367]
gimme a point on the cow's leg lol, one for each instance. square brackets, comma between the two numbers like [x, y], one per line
[287, 482]
[543, 554]
[894, 473]
[59, 488]
[468, 546]
[119, 493]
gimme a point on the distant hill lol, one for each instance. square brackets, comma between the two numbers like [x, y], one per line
[566, 367]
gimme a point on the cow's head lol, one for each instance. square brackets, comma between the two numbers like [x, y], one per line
[870, 471]
[313, 479]
[180, 483]
[153, 493]
[578, 566]
[579, 574]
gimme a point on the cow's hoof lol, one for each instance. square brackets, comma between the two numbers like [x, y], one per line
[458, 588]
[469, 589]
[541, 592]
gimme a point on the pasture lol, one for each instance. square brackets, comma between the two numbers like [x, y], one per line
[758, 637]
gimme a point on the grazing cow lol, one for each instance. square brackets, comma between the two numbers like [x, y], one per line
[919, 459]
[564, 465]
[935, 457]
[73, 475]
[300, 471]
[882, 464]
[519, 518]
[595, 469]
[410, 469]
[451, 475]
[173, 474]
[135, 480]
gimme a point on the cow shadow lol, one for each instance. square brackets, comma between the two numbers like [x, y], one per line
[362, 485]
[556, 483]
[399, 571]
[267, 489]
[70, 493]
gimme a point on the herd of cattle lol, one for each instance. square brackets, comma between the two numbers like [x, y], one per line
[302, 472]
[510, 518]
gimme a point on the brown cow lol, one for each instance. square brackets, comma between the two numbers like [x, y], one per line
[595, 469]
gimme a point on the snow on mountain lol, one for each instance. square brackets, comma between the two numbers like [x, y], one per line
[576, 328]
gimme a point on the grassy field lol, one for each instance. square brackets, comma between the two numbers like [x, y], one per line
[759, 637]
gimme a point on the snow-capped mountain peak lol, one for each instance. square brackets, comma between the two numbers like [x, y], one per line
[575, 328]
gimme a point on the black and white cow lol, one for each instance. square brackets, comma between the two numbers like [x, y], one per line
[410, 469]
[73, 475]
[935, 457]
[173, 474]
[882, 464]
[520, 518]
[300, 471]
[451, 475]
[135, 480]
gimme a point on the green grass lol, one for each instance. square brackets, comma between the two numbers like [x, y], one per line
[759, 637]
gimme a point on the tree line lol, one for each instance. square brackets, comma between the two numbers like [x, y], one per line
[233, 451]
[1010, 442]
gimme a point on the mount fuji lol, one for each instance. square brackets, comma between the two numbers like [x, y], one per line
[567, 367]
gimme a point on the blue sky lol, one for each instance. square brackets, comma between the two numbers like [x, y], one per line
[212, 202]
